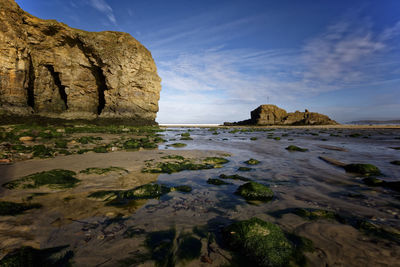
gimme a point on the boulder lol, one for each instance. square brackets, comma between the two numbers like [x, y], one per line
[51, 70]
[273, 115]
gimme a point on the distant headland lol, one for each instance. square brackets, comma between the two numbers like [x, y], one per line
[273, 115]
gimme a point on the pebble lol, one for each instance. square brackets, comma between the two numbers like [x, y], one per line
[26, 138]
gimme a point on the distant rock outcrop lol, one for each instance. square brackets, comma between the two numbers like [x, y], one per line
[273, 115]
[52, 70]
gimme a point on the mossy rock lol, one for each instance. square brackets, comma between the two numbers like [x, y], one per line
[186, 138]
[173, 157]
[131, 144]
[100, 149]
[315, 214]
[244, 169]
[255, 191]
[185, 134]
[277, 138]
[42, 151]
[12, 208]
[61, 143]
[182, 188]
[57, 178]
[372, 181]
[88, 139]
[396, 148]
[216, 161]
[31, 257]
[178, 145]
[121, 197]
[395, 162]
[253, 138]
[189, 248]
[364, 169]
[261, 243]
[185, 164]
[161, 247]
[252, 161]
[103, 170]
[216, 182]
[234, 177]
[296, 148]
[373, 229]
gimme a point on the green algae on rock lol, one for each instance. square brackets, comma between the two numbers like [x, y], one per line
[252, 161]
[57, 178]
[364, 169]
[315, 214]
[178, 145]
[395, 162]
[11, 208]
[215, 181]
[185, 164]
[234, 177]
[244, 169]
[103, 170]
[28, 256]
[182, 188]
[260, 242]
[296, 148]
[372, 181]
[255, 191]
[146, 191]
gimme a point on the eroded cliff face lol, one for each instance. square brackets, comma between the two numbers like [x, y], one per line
[273, 115]
[52, 70]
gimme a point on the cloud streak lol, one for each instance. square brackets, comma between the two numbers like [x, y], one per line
[103, 7]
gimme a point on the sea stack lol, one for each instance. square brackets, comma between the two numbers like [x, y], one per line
[48, 69]
[273, 115]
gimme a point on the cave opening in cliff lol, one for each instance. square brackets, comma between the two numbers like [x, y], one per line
[101, 87]
[31, 85]
[57, 81]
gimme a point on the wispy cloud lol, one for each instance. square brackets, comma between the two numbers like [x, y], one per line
[102, 6]
[211, 80]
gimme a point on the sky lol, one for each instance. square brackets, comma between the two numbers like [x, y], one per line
[218, 60]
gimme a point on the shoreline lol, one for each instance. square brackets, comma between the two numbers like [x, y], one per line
[339, 126]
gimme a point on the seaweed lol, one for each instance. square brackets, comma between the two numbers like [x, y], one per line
[234, 177]
[57, 178]
[252, 161]
[12, 208]
[244, 169]
[189, 248]
[296, 148]
[216, 182]
[161, 246]
[103, 170]
[30, 257]
[364, 169]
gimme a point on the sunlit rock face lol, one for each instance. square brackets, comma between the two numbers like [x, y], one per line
[273, 115]
[52, 70]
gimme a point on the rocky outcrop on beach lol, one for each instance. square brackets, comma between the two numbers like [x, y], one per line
[273, 115]
[51, 70]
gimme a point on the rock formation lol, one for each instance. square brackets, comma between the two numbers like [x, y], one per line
[51, 70]
[273, 115]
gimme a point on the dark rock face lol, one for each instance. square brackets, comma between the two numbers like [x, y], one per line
[52, 70]
[273, 115]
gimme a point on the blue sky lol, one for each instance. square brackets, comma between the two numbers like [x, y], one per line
[219, 60]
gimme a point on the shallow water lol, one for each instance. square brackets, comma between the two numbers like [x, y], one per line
[298, 179]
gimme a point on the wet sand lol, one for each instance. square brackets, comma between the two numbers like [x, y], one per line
[298, 179]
